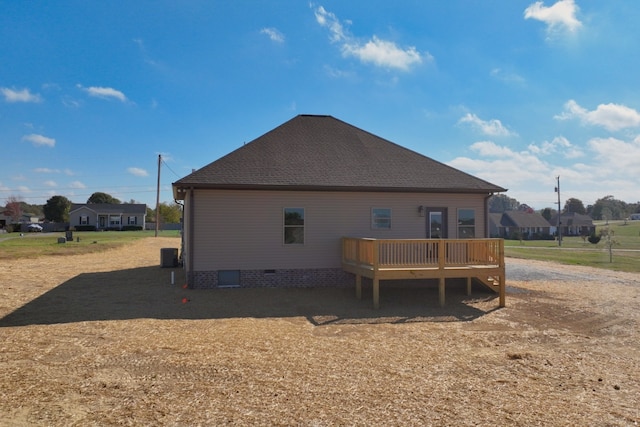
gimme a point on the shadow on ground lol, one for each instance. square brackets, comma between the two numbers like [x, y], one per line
[148, 293]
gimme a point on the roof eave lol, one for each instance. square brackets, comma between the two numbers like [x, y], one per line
[179, 188]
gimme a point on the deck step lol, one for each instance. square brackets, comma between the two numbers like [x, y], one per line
[490, 282]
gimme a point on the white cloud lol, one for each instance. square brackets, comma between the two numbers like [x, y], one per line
[559, 144]
[50, 183]
[77, 184]
[39, 140]
[273, 34]
[24, 95]
[560, 16]
[492, 127]
[46, 170]
[612, 117]
[384, 54]
[336, 73]
[610, 168]
[143, 50]
[329, 20]
[104, 92]
[376, 51]
[506, 76]
[617, 156]
[137, 172]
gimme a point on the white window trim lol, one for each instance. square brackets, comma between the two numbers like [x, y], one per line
[304, 226]
[374, 225]
[475, 222]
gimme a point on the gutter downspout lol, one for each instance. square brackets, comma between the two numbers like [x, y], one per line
[191, 237]
[486, 215]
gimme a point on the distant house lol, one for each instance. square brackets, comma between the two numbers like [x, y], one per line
[4, 219]
[526, 225]
[634, 217]
[572, 224]
[104, 216]
[274, 211]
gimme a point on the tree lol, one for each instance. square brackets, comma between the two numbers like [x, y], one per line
[610, 208]
[169, 213]
[500, 203]
[13, 209]
[99, 197]
[57, 209]
[573, 205]
[547, 213]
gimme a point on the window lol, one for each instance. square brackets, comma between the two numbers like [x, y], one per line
[466, 223]
[294, 226]
[132, 220]
[381, 218]
[114, 220]
[84, 220]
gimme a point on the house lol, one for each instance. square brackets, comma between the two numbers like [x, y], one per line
[105, 216]
[572, 224]
[273, 212]
[520, 224]
[4, 219]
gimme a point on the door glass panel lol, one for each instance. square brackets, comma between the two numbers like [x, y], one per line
[435, 225]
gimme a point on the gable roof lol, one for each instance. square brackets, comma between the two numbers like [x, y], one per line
[110, 208]
[312, 152]
[571, 219]
[523, 219]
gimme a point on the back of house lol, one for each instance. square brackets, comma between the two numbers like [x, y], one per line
[273, 212]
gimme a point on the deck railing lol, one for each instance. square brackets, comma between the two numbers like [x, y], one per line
[379, 254]
[384, 259]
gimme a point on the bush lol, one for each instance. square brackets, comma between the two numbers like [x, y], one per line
[593, 238]
[131, 227]
[542, 236]
[85, 228]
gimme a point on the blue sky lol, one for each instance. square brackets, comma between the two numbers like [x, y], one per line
[514, 92]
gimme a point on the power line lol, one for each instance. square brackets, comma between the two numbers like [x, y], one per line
[165, 163]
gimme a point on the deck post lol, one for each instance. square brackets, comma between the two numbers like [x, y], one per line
[468, 286]
[441, 291]
[358, 286]
[376, 293]
[502, 290]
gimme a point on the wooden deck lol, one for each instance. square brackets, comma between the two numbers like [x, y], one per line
[377, 259]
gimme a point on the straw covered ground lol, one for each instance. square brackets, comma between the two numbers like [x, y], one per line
[106, 339]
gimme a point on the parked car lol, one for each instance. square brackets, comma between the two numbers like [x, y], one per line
[34, 227]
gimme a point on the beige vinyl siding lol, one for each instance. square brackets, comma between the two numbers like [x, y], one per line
[74, 218]
[242, 230]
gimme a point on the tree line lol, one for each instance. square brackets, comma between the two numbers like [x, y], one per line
[605, 208]
[56, 209]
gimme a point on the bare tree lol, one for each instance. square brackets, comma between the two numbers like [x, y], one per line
[13, 209]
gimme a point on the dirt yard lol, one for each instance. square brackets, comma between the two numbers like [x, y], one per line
[105, 339]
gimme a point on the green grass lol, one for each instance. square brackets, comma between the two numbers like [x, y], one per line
[576, 251]
[46, 244]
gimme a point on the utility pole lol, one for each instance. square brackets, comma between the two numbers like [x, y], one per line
[158, 196]
[559, 212]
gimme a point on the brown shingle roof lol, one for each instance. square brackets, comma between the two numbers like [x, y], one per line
[107, 208]
[523, 219]
[323, 153]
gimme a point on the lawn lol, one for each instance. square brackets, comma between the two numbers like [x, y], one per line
[30, 245]
[624, 256]
[106, 339]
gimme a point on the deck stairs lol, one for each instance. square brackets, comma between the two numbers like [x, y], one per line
[489, 282]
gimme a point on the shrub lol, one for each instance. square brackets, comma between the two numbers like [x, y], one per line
[85, 228]
[593, 238]
[131, 227]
